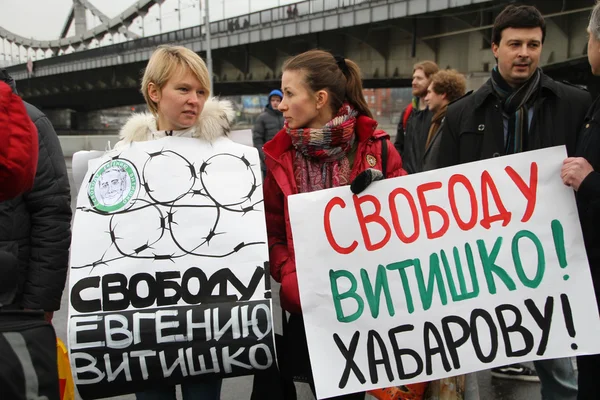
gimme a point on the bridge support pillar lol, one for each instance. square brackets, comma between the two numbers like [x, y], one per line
[79, 18]
[90, 121]
[71, 120]
[60, 118]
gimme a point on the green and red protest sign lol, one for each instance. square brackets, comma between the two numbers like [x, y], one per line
[443, 273]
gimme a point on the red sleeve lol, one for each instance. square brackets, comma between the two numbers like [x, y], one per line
[394, 162]
[283, 265]
[18, 145]
[276, 227]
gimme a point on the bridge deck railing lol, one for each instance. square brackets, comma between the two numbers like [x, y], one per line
[225, 26]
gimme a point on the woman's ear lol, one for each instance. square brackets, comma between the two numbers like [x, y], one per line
[153, 92]
[322, 99]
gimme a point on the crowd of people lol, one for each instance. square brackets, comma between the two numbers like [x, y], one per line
[317, 132]
[233, 24]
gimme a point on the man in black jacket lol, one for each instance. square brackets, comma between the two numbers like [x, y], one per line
[517, 109]
[37, 224]
[446, 86]
[410, 139]
[270, 384]
[267, 125]
[34, 245]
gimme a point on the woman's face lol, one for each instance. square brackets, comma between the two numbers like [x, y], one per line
[299, 104]
[179, 102]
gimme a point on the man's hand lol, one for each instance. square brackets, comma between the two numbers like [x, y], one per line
[574, 171]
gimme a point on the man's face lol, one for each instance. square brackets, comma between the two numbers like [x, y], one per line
[112, 187]
[435, 101]
[419, 83]
[518, 54]
[275, 100]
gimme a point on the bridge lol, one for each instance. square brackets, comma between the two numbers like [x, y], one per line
[385, 37]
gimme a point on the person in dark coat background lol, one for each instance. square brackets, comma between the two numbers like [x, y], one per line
[28, 366]
[35, 226]
[415, 120]
[18, 163]
[18, 145]
[446, 86]
[267, 125]
[582, 173]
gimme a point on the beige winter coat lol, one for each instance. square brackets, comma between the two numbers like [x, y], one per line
[214, 122]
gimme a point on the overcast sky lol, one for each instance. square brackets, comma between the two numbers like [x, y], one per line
[44, 19]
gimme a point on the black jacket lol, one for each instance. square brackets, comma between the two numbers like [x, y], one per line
[588, 196]
[430, 157]
[265, 128]
[35, 227]
[399, 140]
[415, 136]
[474, 128]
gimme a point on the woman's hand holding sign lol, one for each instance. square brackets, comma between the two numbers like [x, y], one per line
[364, 179]
[574, 171]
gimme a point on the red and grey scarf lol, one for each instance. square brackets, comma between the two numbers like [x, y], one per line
[322, 154]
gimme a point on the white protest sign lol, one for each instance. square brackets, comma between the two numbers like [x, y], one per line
[82, 157]
[242, 136]
[168, 278]
[79, 165]
[443, 273]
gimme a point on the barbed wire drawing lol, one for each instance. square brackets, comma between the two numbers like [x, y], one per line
[196, 193]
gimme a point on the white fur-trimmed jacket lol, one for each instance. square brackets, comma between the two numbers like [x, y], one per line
[214, 122]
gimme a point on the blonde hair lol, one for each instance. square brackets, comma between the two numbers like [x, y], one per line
[165, 62]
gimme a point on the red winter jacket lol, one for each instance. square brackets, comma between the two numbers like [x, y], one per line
[18, 145]
[280, 183]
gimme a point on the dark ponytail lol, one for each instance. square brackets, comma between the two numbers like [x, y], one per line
[340, 77]
[354, 89]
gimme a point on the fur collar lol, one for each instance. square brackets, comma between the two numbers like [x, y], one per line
[214, 122]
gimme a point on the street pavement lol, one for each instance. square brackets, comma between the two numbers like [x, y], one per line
[241, 388]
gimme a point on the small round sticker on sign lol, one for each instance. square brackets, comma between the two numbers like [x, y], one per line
[113, 186]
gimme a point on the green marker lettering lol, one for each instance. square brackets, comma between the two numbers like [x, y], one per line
[541, 265]
[351, 293]
[401, 266]
[374, 295]
[435, 276]
[489, 266]
[464, 293]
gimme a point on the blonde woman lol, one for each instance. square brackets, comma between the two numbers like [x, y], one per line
[176, 89]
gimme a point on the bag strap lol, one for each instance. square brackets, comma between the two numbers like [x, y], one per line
[384, 157]
[406, 115]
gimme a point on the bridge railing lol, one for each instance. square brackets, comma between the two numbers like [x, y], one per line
[229, 25]
[280, 13]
